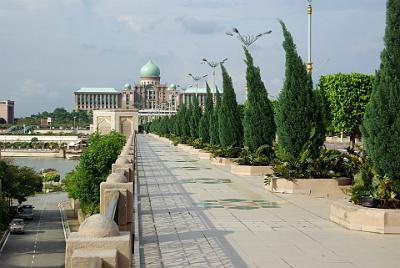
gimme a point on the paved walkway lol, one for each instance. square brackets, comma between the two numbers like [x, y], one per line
[194, 214]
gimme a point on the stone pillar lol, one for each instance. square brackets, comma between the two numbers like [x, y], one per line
[99, 243]
[117, 183]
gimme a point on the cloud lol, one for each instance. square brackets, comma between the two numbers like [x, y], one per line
[32, 5]
[210, 3]
[30, 88]
[199, 26]
[138, 24]
[276, 86]
[87, 46]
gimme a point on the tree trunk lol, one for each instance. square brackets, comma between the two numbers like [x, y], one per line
[352, 140]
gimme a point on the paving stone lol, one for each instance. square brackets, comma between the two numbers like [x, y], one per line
[195, 214]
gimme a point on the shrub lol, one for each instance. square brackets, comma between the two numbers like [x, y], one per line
[93, 168]
[261, 157]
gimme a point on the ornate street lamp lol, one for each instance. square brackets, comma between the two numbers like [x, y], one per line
[213, 65]
[196, 79]
[309, 12]
[246, 39]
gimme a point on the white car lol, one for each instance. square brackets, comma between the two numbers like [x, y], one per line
[17, 226]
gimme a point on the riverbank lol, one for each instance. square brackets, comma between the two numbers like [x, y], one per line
[62, 165]
[32, 153]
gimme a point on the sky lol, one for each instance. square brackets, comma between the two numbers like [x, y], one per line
[51, 48]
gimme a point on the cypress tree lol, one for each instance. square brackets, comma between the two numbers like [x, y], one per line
[186, 121]
[381, 125]
[259, 125]
[214, 120]
[195, 118]
[183, 124]
[204, 127]
[298, 115]
[230, 125]
[171, 123]
[178, 121]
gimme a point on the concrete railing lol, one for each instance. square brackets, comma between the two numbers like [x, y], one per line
[105, 239]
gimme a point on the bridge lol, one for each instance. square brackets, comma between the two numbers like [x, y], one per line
[170, 206]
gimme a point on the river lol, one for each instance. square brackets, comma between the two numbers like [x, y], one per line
[62, 165]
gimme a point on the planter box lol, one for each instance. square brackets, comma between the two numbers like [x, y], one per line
[204, 155]
[163, 139]
[354, 217]
[221, 161]
[251, 170]
[185, 147]
[328, 188]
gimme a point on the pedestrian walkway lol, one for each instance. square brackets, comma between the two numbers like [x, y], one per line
[194, 214]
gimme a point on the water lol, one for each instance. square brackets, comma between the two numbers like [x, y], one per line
[62, 165]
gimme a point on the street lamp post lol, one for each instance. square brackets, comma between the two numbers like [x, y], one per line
[246, 39]
[196, 79]
[309, 12]
[74, 123]
[213, 65]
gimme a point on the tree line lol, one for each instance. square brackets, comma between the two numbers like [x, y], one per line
[356, 104]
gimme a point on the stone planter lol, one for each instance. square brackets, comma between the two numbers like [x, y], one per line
[354, 217]
[251, 170]
[328, 188]
[221, 161]
[204, 155]
[185, 147]
[163, 139]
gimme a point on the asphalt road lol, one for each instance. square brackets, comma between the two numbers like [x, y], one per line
[43, 244]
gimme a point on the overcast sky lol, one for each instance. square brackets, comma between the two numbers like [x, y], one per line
[50, 48]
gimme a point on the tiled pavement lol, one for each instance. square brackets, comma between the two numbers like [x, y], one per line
[194, 214]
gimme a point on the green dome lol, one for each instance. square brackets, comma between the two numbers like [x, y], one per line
[127, 87]
[172, 86]
[150, 70]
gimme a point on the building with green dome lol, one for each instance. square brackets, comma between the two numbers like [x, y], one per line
[149, 94]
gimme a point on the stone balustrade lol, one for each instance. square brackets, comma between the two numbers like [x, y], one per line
[105, 239]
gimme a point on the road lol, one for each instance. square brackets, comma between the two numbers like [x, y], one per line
[43, 244]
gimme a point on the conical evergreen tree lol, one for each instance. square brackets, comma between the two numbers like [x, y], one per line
[298, 118]
[204, 127]
[230, 124]
[258, 124]
[214, 120]
[178, 121]
[381, 125]
[186, 122]
[195, 118]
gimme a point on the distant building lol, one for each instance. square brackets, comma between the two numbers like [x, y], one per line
[7, 111]
[187, 95]
[96, 99]
[150, 96]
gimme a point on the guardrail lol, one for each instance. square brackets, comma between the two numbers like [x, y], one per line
[4, 239]
[64, 221]
[108, 236]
